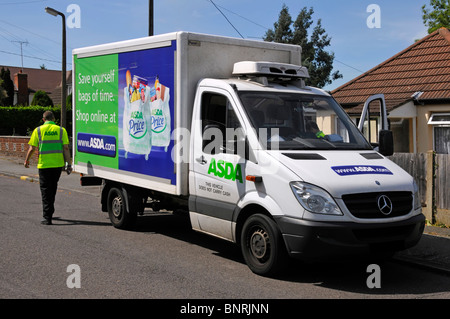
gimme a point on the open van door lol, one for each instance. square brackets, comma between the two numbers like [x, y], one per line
[383, 140]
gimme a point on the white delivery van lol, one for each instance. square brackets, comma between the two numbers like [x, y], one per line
[226, 130]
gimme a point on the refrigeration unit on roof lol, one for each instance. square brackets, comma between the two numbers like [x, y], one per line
[270, 69]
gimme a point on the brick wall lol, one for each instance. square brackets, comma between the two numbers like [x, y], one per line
[16, 146]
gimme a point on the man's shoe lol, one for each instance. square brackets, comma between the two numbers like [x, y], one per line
[46, 221]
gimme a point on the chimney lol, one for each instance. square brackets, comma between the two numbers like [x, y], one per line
[445, 33]
[21, 83]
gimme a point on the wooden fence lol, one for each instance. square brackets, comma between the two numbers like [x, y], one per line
[432, 173]
[442, 187]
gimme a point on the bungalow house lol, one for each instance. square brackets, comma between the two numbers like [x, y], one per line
[27, 81]
[416, 86]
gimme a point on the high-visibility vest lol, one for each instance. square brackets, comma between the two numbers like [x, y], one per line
[320, 134]
[50, 141]
[47, 146]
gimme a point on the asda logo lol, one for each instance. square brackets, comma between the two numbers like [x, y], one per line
[103, 145]
[50, 133]
[137, 115]
[157, 112]
[225, 170]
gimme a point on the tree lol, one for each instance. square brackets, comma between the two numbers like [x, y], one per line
[438, 17]
[314, 56]
[2, 90]
[7, 99]
[69, 101]
[41, 98]
[282, 32]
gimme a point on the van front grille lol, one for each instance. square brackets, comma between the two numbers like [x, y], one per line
[379, 205]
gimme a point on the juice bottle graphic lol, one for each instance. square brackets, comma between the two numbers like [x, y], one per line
[153, 96]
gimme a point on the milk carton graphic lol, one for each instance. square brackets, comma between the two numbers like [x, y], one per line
[160, 116]
[137, 133]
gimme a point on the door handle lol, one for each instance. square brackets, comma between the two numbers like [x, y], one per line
[201, 160]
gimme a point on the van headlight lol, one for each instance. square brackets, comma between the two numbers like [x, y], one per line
[315, 199]
[417, 202]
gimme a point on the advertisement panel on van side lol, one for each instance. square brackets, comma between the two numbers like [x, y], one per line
[124, 111]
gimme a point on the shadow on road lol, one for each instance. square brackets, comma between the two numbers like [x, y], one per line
[71, 222]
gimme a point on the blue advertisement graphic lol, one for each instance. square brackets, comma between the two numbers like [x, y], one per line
[146, 111]
[104, 145]
[361, 170]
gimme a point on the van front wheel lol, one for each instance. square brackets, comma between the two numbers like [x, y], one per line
[263, 246]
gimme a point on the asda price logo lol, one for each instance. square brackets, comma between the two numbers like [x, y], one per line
[158, 121]
[225, 170]
[137, 128]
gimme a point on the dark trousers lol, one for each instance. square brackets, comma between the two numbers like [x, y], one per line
[48, 182]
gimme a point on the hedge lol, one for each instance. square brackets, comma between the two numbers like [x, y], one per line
[22, 120]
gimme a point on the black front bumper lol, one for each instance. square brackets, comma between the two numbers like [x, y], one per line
[316, 240]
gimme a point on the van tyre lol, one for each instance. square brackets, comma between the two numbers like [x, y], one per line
[118, 214]
[263, 246]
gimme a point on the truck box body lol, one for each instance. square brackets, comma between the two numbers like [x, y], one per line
[142, 154]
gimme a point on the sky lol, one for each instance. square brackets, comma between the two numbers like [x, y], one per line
[361, 37]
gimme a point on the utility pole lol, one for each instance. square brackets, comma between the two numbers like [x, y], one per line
[21, 51]
[150, 18]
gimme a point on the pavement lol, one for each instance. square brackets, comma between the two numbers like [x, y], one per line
[431, 253]
[13, 167]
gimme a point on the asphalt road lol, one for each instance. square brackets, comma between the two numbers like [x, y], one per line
[162, 258]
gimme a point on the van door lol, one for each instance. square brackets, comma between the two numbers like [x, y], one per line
[218, 165]
[378, 134]
[368, 124]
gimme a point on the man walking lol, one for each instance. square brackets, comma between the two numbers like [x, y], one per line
[53, 144]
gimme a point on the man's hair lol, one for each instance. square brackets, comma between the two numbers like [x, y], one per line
[48, 116]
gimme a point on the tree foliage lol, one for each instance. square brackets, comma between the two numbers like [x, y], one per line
[314, 55]
[2, 90]
[41, 98]
[6, 87]
[438, 16]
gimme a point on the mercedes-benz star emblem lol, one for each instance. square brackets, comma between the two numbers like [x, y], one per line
[385, 205]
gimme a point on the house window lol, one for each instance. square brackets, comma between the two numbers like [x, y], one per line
[439, 119]
[441, 132]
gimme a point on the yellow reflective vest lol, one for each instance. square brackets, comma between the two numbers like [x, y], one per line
[50, 139]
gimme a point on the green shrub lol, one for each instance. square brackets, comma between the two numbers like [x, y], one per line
[22, 120]
[41, 98]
